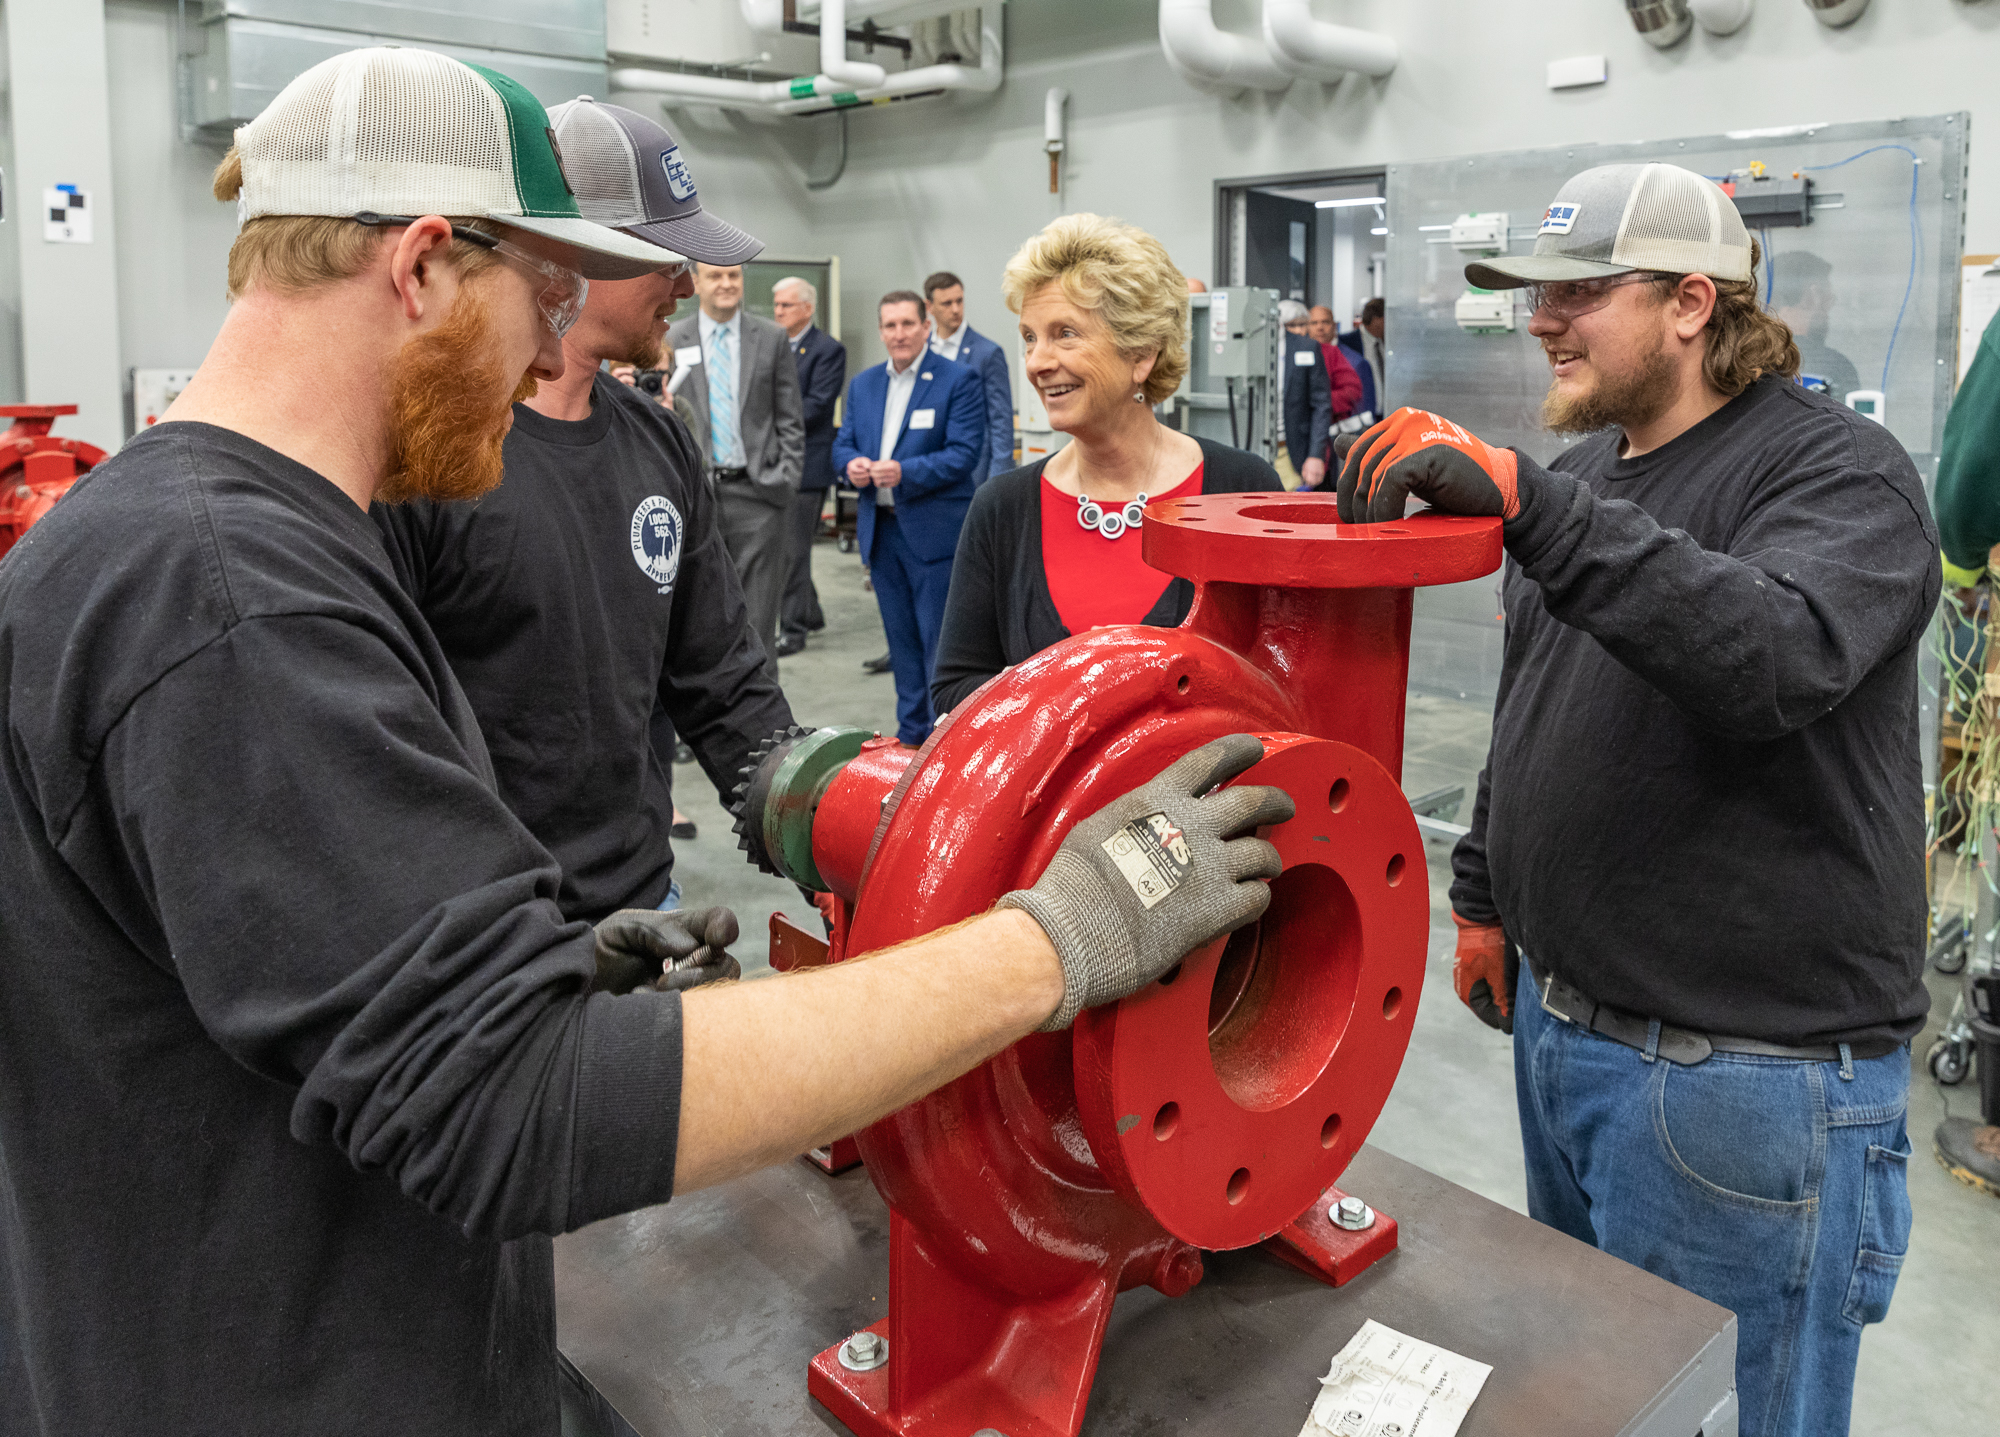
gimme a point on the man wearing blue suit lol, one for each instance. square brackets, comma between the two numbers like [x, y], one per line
[952, 337]
[912, 443]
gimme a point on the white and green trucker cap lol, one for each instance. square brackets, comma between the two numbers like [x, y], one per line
[1616, 218]
[403, 131]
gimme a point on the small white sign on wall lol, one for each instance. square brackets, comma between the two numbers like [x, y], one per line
[66, 215]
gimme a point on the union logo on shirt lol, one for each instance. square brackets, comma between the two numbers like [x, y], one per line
[656, 540]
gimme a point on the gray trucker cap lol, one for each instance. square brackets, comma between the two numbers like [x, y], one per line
[628, 174]
[1617, 218]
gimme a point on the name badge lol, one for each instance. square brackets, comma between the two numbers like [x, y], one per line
[1305, 359]
[691, 354]
[923, 419]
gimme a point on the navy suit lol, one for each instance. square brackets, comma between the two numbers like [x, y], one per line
[1308, 401]
[976, 351]
[1351, 342]
[822, 361]
[908, 546]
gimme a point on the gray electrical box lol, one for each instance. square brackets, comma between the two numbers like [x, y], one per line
[1234, 385]
[1243, 330]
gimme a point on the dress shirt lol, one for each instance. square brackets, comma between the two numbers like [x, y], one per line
[948, 347]
[725, 445]
[902, 384]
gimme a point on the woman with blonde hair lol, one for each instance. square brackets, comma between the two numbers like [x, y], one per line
[1052, 549]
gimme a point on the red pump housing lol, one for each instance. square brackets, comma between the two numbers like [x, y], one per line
[36, 468]
[1216, 1108]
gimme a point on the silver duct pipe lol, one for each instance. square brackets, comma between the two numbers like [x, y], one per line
[1661, 23]
[1835, 13]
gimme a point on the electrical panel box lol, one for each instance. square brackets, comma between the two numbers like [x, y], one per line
[1771, 204]
[1243, 332]
[1485, 311]
[1480, 233]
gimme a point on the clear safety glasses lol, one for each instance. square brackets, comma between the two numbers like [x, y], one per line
[562, 290]
[1566, 299]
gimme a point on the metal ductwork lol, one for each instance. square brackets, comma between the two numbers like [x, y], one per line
[1721, 17]
[1835, 13]
[1292, 46]
[1660, 22]
[235, 55]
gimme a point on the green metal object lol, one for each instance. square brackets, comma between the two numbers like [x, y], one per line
[800, 779]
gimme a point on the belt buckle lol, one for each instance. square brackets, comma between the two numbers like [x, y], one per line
[1542, 985]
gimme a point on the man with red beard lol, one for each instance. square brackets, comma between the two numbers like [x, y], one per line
[300, 1062]
[592, 588]
[1701, 821]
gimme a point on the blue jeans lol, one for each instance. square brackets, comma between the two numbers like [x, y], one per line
[673, 898]
[910, 591]
[1774, 1187]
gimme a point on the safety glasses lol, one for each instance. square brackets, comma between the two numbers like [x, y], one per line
[561, 290]
[1568, 298]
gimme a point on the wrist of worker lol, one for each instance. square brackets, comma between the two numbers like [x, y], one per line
[1547, 498]
[1089, 937]
[1042, 980]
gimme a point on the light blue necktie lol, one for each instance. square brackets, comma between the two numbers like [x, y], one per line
[722, 403]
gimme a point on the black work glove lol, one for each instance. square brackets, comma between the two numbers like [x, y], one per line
[672, 951]
[1152, 876]
[1415, 452]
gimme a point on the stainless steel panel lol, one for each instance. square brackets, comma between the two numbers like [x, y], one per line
[557, 29]
[1493, 383]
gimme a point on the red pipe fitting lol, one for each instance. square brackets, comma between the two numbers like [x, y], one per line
[36, 468]
[1216, 1108]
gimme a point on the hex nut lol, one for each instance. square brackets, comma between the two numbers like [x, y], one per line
[864, 1351]
[1352, 1214]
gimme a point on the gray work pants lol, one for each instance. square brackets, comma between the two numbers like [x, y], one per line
[801, 608]
[755, 532]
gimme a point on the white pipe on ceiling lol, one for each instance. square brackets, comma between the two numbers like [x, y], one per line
[1205, 55]
[1316, 50]
[833, 61]
[982, 79]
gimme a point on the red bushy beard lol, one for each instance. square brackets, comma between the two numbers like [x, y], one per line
[446, 421]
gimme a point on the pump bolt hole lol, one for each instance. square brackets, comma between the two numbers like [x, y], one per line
[1395, 874]
[1329, 1131]
[1277, 531]
[1181, 684]
[1166, 1120]
[1239, 1186]
[1337, 798]
[1392, 1002]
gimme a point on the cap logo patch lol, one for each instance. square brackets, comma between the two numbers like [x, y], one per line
[1559, 220]
[680, 184]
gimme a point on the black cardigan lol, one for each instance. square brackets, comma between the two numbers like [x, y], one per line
[1000, 611]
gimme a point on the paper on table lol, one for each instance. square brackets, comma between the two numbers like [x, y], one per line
[1384, 1384]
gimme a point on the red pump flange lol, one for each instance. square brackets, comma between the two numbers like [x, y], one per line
[36, 468]
[1216, 1108]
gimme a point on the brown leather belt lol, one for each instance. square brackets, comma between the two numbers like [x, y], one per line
[1679, 1045]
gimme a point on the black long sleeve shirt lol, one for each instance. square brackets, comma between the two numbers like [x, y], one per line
[999, 610]
[590, 587]
[1704, 797]
[298, 1065]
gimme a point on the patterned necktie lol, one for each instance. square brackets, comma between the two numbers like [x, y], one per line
[722, 403]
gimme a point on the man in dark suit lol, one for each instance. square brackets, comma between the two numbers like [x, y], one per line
[822, 362]
[952, 337]
[1308, 399]
[744, 390]
[1364, 346]
[911, 443]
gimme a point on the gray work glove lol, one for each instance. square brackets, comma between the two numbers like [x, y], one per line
[671, 951]
[1152, 876]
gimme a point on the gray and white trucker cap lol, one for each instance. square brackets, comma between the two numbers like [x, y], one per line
[1617, 218]
[628, 174]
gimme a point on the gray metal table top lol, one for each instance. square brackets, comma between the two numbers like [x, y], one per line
[699, 1318]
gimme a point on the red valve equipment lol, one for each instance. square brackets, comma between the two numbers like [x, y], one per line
[1216, 1108]
[36, 468]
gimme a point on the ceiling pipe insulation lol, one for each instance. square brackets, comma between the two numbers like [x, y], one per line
[1316, 50]
[1205, 55]
[1292, 46]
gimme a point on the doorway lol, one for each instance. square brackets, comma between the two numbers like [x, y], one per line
[1317, 237]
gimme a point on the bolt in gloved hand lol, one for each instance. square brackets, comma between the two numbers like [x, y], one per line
[1483, 971]
[671, 951]
[1152, 876]
[1417, 452]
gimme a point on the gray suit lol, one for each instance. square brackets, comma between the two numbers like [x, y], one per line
[753, 507]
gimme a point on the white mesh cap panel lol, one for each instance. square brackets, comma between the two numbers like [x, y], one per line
[602, 167]
[1676, 220]
[391, 130]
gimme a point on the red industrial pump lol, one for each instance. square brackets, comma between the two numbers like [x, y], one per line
[36, 468]
[1216, 1108]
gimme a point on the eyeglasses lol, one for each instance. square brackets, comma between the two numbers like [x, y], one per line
[1566, 299]
[562, 291]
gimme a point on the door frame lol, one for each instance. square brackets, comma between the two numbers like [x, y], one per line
[1222, 259]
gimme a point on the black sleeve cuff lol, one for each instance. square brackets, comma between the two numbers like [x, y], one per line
[628, 1105]
[1548, 499]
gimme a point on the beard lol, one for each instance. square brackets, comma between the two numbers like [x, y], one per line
[446, 423]
[644, 352]
[1631, 399]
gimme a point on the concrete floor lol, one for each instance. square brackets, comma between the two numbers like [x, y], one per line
[1926, 1370]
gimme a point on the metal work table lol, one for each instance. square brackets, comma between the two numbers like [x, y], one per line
[699, 1318]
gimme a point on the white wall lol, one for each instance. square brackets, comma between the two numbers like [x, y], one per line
[959, 183]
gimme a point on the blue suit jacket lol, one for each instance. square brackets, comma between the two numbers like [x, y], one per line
[940, 463]
[1351, 342]
[822, 375]
[976, 351]
[1308, 400]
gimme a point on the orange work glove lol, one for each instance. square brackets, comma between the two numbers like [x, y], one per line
[1417, 452]
[1479, 973]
